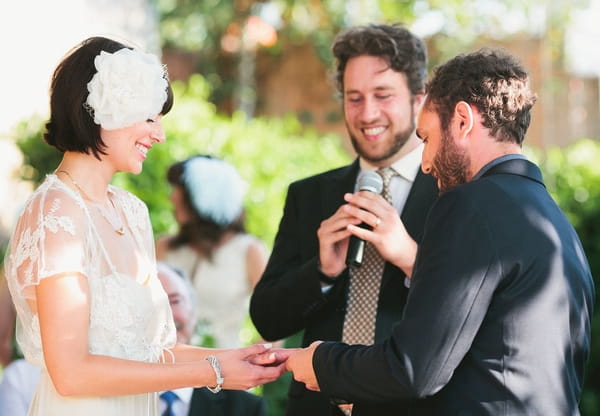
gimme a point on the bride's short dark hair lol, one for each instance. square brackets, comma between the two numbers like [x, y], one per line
[71, 127]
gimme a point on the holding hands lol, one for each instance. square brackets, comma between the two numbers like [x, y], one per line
[299, 363]
[251, 366]
[258, 364]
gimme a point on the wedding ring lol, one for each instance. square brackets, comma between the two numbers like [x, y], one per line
[377, 222]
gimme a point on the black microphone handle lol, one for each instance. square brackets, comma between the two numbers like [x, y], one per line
[368, 181]
[356, 249]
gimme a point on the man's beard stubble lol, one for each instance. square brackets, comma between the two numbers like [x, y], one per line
[451, 164]
[399, 141]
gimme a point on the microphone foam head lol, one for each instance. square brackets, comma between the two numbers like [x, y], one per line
[370, 181]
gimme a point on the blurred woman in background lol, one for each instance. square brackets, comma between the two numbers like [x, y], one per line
[212, 245]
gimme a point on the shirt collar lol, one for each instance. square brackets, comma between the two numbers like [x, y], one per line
[495, 162]
[407, 166]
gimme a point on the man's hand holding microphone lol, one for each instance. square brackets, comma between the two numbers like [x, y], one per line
[367, 217]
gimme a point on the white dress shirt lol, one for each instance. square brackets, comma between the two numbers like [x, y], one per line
[407, 169]
[180, 407]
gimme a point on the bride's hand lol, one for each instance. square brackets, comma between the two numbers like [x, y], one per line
[272, 356]
[247, 367]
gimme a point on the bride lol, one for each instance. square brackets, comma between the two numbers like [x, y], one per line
[81, 269]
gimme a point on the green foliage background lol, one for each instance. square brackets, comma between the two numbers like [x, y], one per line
[268, 152]
[272, 152]
[572, 175]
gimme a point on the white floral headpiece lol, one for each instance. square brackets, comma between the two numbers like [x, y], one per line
[130, 86]
[215, 187]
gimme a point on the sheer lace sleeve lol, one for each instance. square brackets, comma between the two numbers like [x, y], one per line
[48, 239]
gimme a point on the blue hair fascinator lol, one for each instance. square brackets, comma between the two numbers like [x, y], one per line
[215, 188]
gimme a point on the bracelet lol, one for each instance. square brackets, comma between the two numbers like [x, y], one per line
[214, 363]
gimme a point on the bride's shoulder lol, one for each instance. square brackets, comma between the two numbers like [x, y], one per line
[52, 206]
[52, 195]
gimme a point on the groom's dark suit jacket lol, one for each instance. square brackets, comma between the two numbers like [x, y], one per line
[497, 321]
[288, 298]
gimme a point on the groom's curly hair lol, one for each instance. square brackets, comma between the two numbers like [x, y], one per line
[491, 80]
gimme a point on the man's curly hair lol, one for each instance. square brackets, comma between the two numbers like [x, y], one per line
[491, 80]
[402, 50]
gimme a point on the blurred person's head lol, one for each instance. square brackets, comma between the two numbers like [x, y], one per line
[207, 194]
[381, 71]
[181, 298]
[478, 106]
[102, 86]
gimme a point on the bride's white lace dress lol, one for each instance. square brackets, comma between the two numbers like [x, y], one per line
[129, 314]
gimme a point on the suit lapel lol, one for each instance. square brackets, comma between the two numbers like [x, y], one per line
[422, 193]
[336, 185]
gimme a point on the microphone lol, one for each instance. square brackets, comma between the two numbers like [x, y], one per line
[372, 182]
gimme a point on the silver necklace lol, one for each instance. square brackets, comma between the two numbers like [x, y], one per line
[118, 227]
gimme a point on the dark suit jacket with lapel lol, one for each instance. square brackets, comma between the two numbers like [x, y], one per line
[226, 403]
[288, 298]
[497, 321]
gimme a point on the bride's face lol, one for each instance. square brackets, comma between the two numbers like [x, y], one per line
[127, 147]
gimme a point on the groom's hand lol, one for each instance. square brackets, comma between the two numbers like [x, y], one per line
[300, 363]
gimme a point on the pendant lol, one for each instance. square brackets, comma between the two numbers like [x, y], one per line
[145, 282]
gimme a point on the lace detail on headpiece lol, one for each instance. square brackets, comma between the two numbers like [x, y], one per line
[130, 86]
[215, 188]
